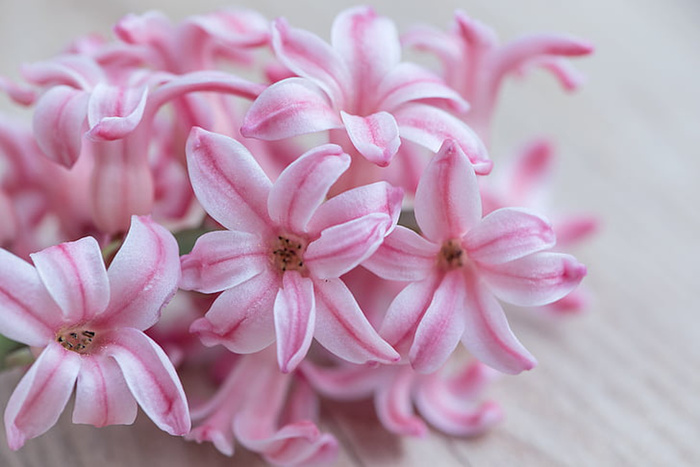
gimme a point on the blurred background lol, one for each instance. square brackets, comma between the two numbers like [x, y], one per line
[618, 385]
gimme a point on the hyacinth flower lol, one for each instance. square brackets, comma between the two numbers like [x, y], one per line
[447, 399]
[358, 84]
[88, 322]
[268, 412]
[475, 64]
[460, 265]
[527, 181]
[280, 260]
[109, 113]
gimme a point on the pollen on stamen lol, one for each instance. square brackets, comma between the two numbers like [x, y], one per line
[77, 340]
[452, 255]
[287, 253]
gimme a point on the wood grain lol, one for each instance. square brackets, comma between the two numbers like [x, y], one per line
[617, 386]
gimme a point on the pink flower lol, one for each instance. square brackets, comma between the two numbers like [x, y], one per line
[458, 266]
[89, 322]
[448, 400]
[280, 261]
[359, 84]
[475, 64]
[268, 412]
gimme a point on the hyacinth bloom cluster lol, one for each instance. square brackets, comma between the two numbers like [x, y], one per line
[163, 213]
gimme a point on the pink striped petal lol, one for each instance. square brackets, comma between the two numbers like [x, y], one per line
[59, 123]
[375, 136]
[74, 70]
[143, 276]
[517, 53]
[235, 28]
[342, 247]
[102, 397]
[41, 395]
[403, 256]
[29, 315]
[295, 317]
[241, 318]
[508, 234]
[358, 202]
[448, 202]
[151, 378]
[406, 311]
[487, 334]
[442, 325]
[291, 107]
[430, 126]
[342, 382]
[531, 171]
[343, 329]
[303, 186]
[75, 276]
[409, 82]
[370, 46]
[228, 181]
[394, 405]
[309, 56]
[121, 184]
[534, 280]
[115, 111]
[223, 259]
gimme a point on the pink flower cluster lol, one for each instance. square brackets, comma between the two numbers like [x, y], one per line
[275, 211]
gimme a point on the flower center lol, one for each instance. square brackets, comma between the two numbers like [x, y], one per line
[451, 255]
[287, 253]
[77, 340]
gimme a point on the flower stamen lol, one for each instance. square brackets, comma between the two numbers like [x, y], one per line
[76, 340]
[452, 255]
[287, 254]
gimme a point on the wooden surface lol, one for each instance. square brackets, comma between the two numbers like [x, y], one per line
[617, 386]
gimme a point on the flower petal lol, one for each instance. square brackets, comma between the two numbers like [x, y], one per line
[303, 186]
[442, 325]
[487, 334]
[241, 318]
[409, 82]
[370, 46]
[358, 202]
[394, 405]
[29, 315]
[228, 181]
[115, 111]
[59, 123]
[143, 276]
[343, 329]
[151, 378]
[403, 256]
[75, 276]
[375, 136]
[102, 397]
[430, 126]
[41, 395]
[406, 311]
[508, 234]
[347, 382]
[223, 259]
[342, 247]
[309, 56]
[534, 280]
[295, 317]
[291, 107]
[448, 202]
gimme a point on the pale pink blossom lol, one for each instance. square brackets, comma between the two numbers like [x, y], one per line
[458, 267]
[358, 83]
[88, 322]
[448, 399]
[268, 412]
[279, 263]
[475, 64]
